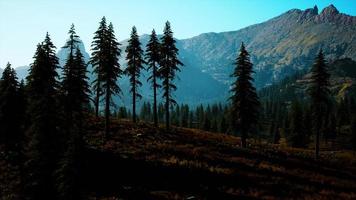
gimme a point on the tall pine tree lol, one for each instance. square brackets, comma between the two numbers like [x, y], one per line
[153, 59]
[169, 65]
[75, 91]
[42, 151]
[245, 103]
[98, 59]
[319, 93]
[297, 136]
[11, 110]
[110, 73]
[135, 63]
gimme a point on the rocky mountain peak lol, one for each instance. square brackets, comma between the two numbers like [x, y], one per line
[331, 14]
[308, 14]
[330, 11]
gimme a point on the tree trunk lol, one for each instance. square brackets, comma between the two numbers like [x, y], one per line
[134, 101]
[107, 111]
[243, 139]
[97, 98]
[317, 143]
[155, 102]
[167, 106]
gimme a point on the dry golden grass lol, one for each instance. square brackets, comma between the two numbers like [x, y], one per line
[262, 171]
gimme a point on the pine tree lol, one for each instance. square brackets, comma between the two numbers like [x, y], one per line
[10, 113]
[319, 93]
[245, 103]
[297, 137]
[98, 60]
[206, 123]
[214, 125]
[110, 73]
[68, 82]
[75, 91]
[122, 112]
[152, 57]
[168, 67]
[134, 66]
[223, 125]
[42, 150]
[277, 136]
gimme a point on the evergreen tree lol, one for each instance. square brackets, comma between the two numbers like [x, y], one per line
[245, 103]
[297, 137]
[206, 123]
[223, 125]
[214, 125]
[122, 113]
[319, 93]
[184, 115]
[110, 73]
[277, 136]
[68, 80]
[42, 150]
[307, 123]
[10, 113]
[98, 60]
[75, 91]
[152, 57]
[134, 66]
[168, 67]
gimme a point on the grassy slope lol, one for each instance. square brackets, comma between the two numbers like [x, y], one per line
[137, 162]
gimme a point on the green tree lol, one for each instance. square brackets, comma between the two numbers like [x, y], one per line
[223, 125]
[11, 112]
[98, 60]
[319, 93]
[110, 73]
[42, 149]
[245, 103]
[134, 66]
[297, 137]
[169, 63]
[75, 92]
[152, 57]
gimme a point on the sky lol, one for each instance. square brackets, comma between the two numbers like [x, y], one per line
[24, 23]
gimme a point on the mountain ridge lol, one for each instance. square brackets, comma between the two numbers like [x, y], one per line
[278, 47]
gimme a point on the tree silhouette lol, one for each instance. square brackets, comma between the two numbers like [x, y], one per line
[11, 110]
[134, 66]
[110, 73]
[168, 67]
[153, 60]
[245, 103]
[98, 59]
[42, 150]
[319, 93]
[75, 92]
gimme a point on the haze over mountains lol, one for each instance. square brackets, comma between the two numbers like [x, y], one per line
[279, 47]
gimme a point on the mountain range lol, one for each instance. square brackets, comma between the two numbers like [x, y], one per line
[278, 47]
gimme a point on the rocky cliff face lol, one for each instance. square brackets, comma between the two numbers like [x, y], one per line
[279, 46]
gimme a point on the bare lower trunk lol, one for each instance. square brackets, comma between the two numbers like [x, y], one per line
[107, 112]
[317, 143]
[243, 139]
[97, 98]
[167, 108]
[134, 107]
[155, 119]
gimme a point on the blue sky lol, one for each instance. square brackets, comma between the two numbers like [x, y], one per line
[23, 23]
